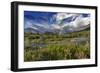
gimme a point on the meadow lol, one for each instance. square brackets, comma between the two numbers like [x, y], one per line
[49, 46]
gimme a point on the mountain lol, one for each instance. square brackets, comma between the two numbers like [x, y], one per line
[64, 23]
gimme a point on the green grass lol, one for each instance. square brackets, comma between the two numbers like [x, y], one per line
[59, 47]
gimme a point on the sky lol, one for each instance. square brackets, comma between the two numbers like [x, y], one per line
[50, 18]
[40, 17]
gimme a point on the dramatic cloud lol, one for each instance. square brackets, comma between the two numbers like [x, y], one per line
[52, 21]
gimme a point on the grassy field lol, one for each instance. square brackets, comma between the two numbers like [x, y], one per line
[56, 47]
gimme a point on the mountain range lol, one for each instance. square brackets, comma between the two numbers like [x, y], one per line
[64, 23]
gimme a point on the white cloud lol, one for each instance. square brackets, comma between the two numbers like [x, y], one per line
[61, 16]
